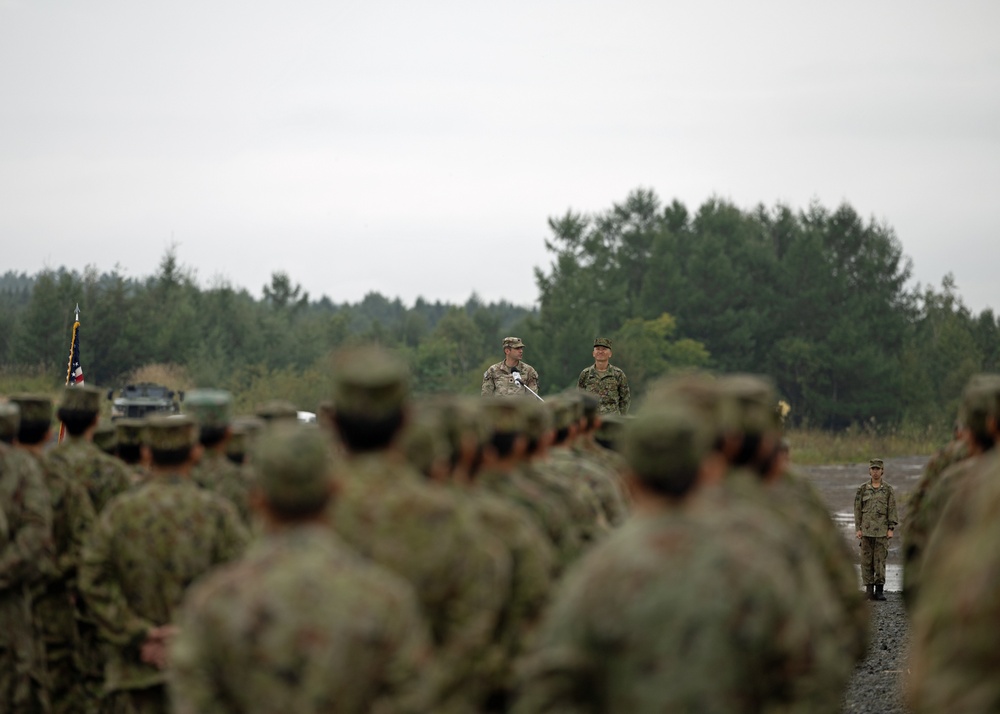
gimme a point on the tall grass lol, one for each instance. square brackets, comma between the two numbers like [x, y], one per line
[859, 443]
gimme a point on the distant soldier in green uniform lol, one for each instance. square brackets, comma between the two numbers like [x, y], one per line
[80, 460]
[512, 377]
[212, 410]
[606, 381]
[57, 603]
[147, 546]
[875, 519]
[302, 623]
[25, 557]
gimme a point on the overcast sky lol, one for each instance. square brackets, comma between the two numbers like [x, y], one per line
[417, 148]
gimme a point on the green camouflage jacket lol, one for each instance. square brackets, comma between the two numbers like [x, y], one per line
[875, 510]
[81, 461]
[300, 624]
[147, 546]
[611, 388]
[217, 473]
[498, 381]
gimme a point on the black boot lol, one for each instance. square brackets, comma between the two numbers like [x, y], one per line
[870, 591]
[878, 591]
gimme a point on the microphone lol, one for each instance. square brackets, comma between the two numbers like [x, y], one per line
[516, 373]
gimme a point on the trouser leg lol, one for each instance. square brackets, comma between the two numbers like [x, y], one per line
[879, 555]
[867, 561]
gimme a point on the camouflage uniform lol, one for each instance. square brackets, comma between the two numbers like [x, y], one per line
[611, 388]
[954, 655]
[58, 606]
[218, 474]
[462, 576]
[81, 461]
[26, 553]
[498, 380]
[145, 549]
[874, 515]
[665, 616]
[300, 624]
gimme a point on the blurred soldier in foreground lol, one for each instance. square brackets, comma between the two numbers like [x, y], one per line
[664, 615]
[57, 606]
[388, 513]
[302, 623]
[978, 433]
[25, 554]
[512, 376]
[606, 381]
[875, 520]
[148, 545]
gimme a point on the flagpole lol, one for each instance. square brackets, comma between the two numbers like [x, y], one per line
[69, 366]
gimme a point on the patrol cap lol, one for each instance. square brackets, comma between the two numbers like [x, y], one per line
[589, 403]
[424, 441]
[979, 403]
[277, 410]
[462, 421]
[609, 433]
[512, 342]
[503, 416]
[83, 400]
[602, 342]
[170, 433]
[565, 411]
[128, 432]
[105, 437]
[875, 464]
[242, 434]
[211, 408]
[698, 391]
[369, 382]
[293, 466]
[537, 418]
[665, 445]
[756, 402]
[10, 420]
[35, 408]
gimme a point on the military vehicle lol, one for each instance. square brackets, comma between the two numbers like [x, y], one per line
[135, 401]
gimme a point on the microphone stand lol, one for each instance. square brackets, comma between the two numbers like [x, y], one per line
[517, 378]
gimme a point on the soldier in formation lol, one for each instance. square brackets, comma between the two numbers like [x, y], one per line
[875, 520]
[439, 555]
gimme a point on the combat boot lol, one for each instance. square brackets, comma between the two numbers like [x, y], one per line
[878, 591]
[870, 591]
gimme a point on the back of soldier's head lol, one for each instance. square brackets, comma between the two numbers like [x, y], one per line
[212, 410]
[36, 417]
[424, 441]
[293, 468]
[170, 439]
[79, 408]
[504, 419]
[10, 421]
[980, 409]
[371, 389]
[664, 446]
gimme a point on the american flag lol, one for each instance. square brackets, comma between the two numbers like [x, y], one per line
[74, 374]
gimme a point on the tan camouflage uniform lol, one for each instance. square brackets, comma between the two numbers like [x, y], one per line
[498, 381]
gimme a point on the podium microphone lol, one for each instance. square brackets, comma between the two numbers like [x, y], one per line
[516, 374]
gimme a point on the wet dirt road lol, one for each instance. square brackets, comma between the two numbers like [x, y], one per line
[838, 484]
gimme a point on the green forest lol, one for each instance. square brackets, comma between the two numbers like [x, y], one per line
[819, 299]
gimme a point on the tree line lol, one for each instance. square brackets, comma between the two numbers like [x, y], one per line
[818, 299]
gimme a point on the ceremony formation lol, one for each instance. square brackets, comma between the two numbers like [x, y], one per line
[500, 553]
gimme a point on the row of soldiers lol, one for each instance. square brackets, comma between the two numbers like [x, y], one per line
[443, 555]
[951, 563]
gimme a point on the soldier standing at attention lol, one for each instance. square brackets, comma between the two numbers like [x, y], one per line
[302, 623]
[510, 377]
[147, 546]
[874, 519]
[606, 381]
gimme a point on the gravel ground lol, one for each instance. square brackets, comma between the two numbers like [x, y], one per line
[878, 681]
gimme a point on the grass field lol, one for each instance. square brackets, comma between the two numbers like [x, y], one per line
[856, 444]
